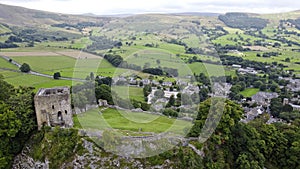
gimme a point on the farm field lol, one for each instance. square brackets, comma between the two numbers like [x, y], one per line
[211, 69]
[69, 63]
[249, 92]
[4, 64]
[112, 118]
[23, 79]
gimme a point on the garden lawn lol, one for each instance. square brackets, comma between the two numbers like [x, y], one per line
[249, 92]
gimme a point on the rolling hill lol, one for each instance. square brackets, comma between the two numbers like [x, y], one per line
[19, 16]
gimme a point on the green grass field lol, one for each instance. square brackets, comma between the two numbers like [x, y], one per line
[23, 79]
[211, 69]
[132, 121]
[5, 64]
[129, 92]
[69, 67]
[249, 92]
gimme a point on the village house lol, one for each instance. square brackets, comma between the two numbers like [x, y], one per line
[168, 84]
[182, 83]
[247, 70]
[236, 66]
[221, 89]
[294, 85]
[132, 81]
[146, 81]
[264, 98]
[168, 94]
[191, 89]
[251, 113]
[295, 107]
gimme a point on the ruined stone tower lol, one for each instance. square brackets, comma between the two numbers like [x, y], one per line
[53, 107]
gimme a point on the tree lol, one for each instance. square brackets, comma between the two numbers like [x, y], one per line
[170, 112]
[276, 106]
[25, 68]
[287, 60]
[104, 92]
[141, 84]
[274, 87]
[263, 87]
[145, 106]
[147, 90]
[232, 114]
[56, 75]
[18, 121]
[171, 101]
[246, 146]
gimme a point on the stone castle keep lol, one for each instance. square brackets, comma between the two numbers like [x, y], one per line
[53, 107]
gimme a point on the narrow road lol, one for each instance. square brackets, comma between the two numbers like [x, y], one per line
[40, 74]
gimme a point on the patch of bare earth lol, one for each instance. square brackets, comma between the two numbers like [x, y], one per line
[256, 48]
[11, 54]
[78, 54]
[69, 53]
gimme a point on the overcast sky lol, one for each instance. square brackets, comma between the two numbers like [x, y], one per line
[108, 7]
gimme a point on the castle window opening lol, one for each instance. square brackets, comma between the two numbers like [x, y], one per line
[59, 116]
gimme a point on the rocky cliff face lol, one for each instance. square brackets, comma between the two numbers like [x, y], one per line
[89, 156]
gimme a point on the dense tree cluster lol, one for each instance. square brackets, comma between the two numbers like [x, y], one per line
[39, 35]
[295, 22]
[17, 118]
[243, 21]
[154, 71]
[101, 43]
[254, 145]
[115, 60]
[8, 45]
[79, 25]
[226, 48]
[12, 39]
[170, 112]
[268, 54]
[118, 61]
[170, 72]
[230, 60]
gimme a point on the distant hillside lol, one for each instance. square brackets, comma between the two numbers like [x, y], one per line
[197, 14]
[20, 16]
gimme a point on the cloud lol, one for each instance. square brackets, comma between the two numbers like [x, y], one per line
[163, 6]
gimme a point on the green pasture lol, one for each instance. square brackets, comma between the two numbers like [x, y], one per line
[68, 66]
[133, 121]
[130, 92]
[24, 79]
[5, 64]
